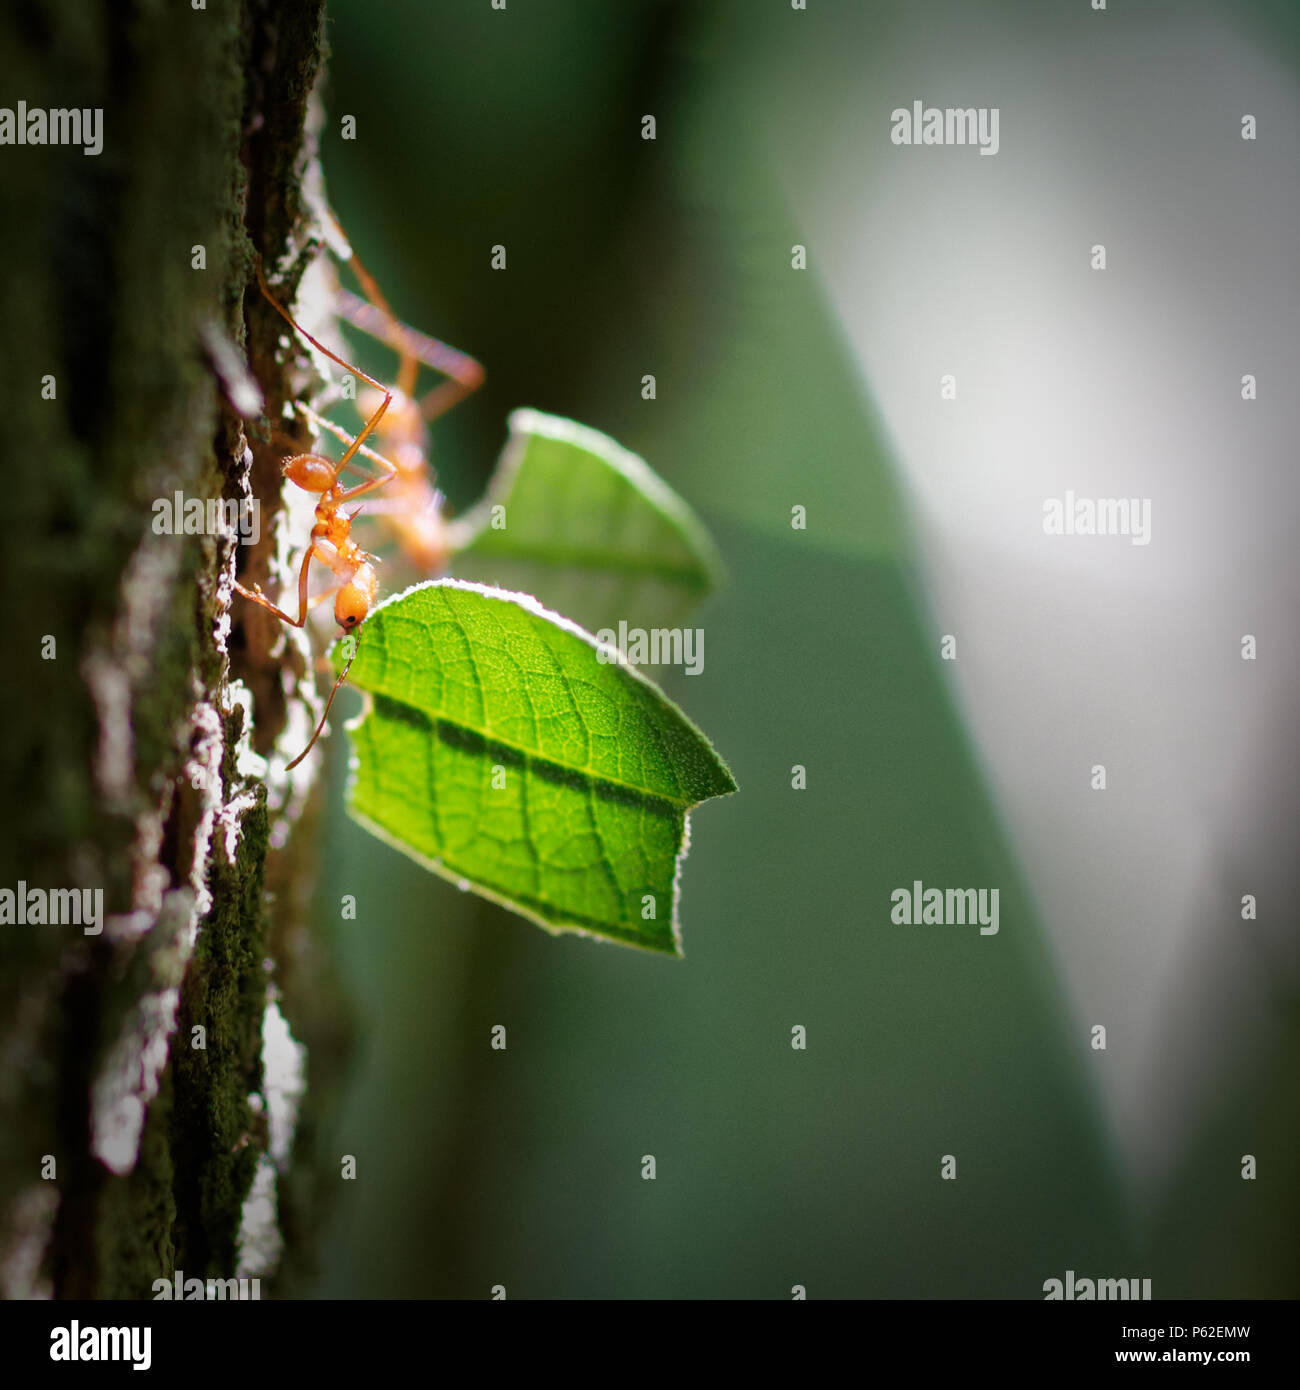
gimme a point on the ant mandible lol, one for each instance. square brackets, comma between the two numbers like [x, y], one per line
[331, 537]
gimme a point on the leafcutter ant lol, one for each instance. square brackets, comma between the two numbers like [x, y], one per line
[331, 537]
[411, 508]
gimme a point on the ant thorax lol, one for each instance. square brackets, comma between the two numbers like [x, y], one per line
[329, 523]
[337, 550]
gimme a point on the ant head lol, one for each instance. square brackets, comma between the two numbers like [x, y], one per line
[350, 607]
[355, 597]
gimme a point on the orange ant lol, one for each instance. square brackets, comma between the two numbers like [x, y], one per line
[331, 537]
[412, 507]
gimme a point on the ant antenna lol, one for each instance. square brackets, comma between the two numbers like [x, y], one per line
[343, 675]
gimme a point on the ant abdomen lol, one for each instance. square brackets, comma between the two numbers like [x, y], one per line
[310, 472]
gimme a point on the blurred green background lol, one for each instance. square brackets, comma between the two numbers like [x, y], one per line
[774, 1167]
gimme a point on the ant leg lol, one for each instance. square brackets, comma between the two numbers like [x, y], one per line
[373, 422]
[339, 433]
[349, 459]
[291, 445]
[343, 675]
[370, 485]
[258, 597]
[378, 319]
[442, 398]
[466, 374]
[326, 593]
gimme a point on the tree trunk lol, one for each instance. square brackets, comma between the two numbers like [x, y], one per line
[134, 1108]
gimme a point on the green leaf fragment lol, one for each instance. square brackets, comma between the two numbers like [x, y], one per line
[499, 750]
[589, 529]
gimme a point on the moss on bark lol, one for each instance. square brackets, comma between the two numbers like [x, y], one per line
[119, 757]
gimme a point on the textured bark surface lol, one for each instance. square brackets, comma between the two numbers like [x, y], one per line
[127, 1152]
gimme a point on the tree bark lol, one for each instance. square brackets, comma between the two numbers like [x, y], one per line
[127, 1150]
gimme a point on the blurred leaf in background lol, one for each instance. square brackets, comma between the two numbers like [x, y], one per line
[583, 525]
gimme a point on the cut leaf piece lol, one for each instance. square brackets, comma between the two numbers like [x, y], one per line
[499, 750]
[586, 527]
